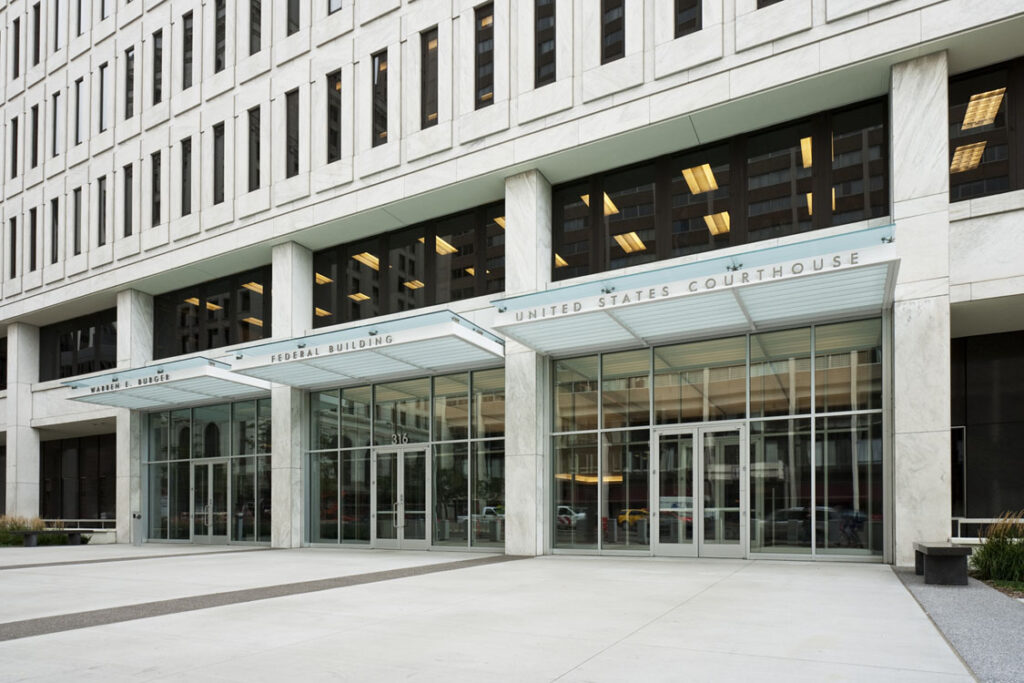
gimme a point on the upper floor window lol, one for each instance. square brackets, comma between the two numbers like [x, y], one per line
[209, 315]
[613, 30]
[80, 17]
[186, 51]
[761, 4]
[16, 47]
[186, 177]
[33, 239]
[255, 26]
[218, 163]
[14, 147]
[428, 78]
[254, 149]
[57, 125]
[103, 108]
[55, 12]
[104, 9]
[333, 116]
[687, 17]
[158, 66]
[54, 230]
[101, 211]
[12, 249]
[78, 346]
[291, 113]
[129, 83]
[33, 144]
[128, 196]
[379, 64]
[544, 42]
[220, 33]
[37, 30]
[484, 55]
[79, 94]
[154, 188]
[76, 221]
[294, 14]
[828, 170]
[333, 6]
[439, 261]
[985, 146]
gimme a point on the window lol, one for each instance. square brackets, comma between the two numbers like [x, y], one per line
[254, 149]
[291, 111]
[56, 7]
[484, 55]
[186, 177]
[687, 17]
[827, 170]
[79, 93]
[218, 163]
[255, 26]
[158, 67]
[293, 16]
[36, 34]
[544, 42]
[443, 260]
[14, 147]
[129, 83]
[128, 173]
[79, 15]
[613, 30]
[77, 478]
[33, 150]
[220, 30]
[54, 229]
[154, 192]
[13, 248]
[104, 9]
[186, 51]
[33, 239]
[76, 203]
[16, 48]
[56, 123]
[101, 211]
[379, 64]
[428, 78]
[761, 4]
[333, 116]
[79, 346]
[985, 140]
[103, 123]
[333, 6]
[209, 315]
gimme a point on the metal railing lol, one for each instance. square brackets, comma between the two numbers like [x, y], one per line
[93, 524]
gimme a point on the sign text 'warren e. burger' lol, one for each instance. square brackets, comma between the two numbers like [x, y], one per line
[130, 383]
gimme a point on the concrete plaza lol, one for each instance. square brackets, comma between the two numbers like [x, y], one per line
[328, 614]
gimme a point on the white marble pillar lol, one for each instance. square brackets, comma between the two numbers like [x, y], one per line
[292, 317]
[22, 439]
[134, 349]
[921, 365]
[528, 269]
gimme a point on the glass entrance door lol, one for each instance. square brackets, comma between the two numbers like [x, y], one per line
[210, 501]
[400, 499]
[698, 488]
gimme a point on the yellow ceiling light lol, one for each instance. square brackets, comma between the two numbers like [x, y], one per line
[718, 223]
[560, 262]
[253, 321]
[982, 109]
[383, 65]
[323, 279]
[810, 202]
[442, 247]
[210, 306]
[967, 157]
[254, 287]
[432, 44]
[500, 220]
[432, 117]
[486, 21]
[194, 300]
[805, 151]
[321, 313]
[358, 297]
[609, 206]
[630, 242]
[471, 271]
[412, 284]
[700, 179]
[368, 259]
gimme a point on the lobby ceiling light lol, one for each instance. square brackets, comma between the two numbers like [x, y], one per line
[700, 179]
[718, 223]
[323, 279]
[486, 21]
[253, 321]
[442, 247]
[967, 157]
[609, 206]
[194, 300]
[412, 284]
[589, 478]
[368, 259]
[254, 287]
[210, 306]
[471, 271]
[321, 313]
[630, 242]
[358, 297]
[810, 202]
[805, 151]
[432, 45]
[560, 262]
[500, 220]
[982, 109]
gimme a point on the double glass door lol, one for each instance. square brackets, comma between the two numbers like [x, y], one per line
[210, 501]
[400, 502]
[698, 483]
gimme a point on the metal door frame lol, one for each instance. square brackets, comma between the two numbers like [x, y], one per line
[400, 542]
[209, 538]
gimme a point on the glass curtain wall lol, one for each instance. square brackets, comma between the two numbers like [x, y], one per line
[811, 398]
[239, 432]
[459, 419]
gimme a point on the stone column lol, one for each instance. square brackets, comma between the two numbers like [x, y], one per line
[292, 317]
[134, 349]
[921, 366]
[22, 439]
[528, 269]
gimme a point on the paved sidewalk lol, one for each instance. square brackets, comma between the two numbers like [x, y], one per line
[543, 619]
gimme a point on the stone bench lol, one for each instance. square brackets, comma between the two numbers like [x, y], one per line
[30, 539]
[942, 563]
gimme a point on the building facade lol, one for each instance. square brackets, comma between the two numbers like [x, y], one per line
[727, 278]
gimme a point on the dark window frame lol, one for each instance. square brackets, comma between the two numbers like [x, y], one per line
[78, 478]
[333, 115]
[379, 97]
[220, 31]
[37, 39]
[33, 154]
[483, 56]
[89, 345]
[293, 17]
[545, 46]
[187, 50]
[254, 148]
[104, 74]
[129, 83]
[76, 221]
[292, 154]
[428, 78]
[14, 147]
[101, 211]
[255, 26]
[54, 230]
[154, 189]
[128, 182]
[12, 247]
[158, 66]
[613, 30]
[218, 163]
[33, 239]
[685, 27]
[16, 48]
[186, 176]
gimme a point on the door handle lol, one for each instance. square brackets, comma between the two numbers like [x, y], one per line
[394, 516]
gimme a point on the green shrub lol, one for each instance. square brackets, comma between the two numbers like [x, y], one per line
[1001, 556]
[14, 523]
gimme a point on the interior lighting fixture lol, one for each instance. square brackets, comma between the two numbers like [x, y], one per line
[805, 151]
[321, 313]
[609, 206]
[967, 157]
[432, 45]
[700, 179]
[194, 300]
[471, 271]
[254, 287]
[630, 242]
[432, 117]
[982, 109]
[253, 321]
[810, 202]
[500, 220]
[368, 259]
[412, 284]
[210, 306]
[589, 478]
[486, 21]
[323, 279]
[443, 247]
[718, 223]
[560, 262]
[358, 297]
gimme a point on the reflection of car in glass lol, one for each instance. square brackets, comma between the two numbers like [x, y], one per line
[494, 511]
[630, 517]
[569, 518]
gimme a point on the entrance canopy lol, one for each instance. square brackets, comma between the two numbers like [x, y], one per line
[167, 385]
[428, 344]
[834, 277]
